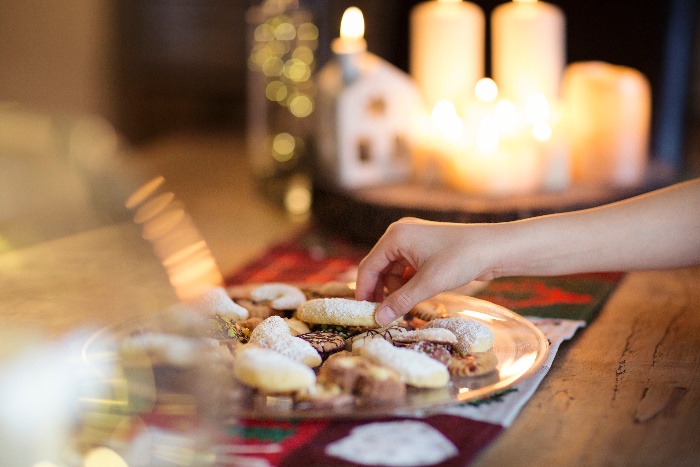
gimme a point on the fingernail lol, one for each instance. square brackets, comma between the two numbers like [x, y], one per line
[385, 315]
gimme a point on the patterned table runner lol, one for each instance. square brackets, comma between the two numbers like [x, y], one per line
[454, 436]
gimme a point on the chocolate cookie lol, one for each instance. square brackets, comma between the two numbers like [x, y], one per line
[325, 342]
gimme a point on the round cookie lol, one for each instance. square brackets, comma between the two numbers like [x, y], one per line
[472, 336]
[429, 310]
[273, 333]
[325, 343]
[475, 364]
[415, 368]
[342, 311]
[270, 371]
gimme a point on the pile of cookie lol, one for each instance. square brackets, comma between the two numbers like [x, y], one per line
[315, 346]
[324, 349]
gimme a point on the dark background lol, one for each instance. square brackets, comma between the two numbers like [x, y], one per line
[182, 63]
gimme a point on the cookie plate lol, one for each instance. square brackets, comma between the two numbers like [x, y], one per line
[520, 347]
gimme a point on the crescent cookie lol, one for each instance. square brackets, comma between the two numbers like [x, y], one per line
[273, 333]
[415, 368]
[270, 371]
[282, 296]
[472, 336]
[342, 311]
[216, 300]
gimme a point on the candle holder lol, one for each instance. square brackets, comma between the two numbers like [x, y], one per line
[282, 48]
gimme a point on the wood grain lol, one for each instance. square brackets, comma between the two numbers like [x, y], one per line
[625, 391]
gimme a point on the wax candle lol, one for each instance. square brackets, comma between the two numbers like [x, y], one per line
[608, 113]
[528, 49]
[351, 45]
[446, 49]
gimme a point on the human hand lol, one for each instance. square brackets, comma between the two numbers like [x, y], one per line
[417, 259]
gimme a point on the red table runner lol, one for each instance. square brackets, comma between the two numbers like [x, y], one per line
[456, 439]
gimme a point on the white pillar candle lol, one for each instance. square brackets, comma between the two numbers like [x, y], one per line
[608, 110]
[528, 49]
[447, 50]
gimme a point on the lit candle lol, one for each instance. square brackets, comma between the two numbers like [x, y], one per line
[608, 110]
[496, 156]
[351, 45]
[528, 49]
[447, 49]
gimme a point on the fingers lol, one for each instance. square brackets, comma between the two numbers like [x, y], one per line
[403, 298]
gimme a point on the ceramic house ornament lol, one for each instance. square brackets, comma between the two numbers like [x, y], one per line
[366, 112]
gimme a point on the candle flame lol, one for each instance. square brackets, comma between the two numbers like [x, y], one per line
[445, 119]
[352, 25]
[486, 90]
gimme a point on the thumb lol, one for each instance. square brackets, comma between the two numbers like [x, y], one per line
[401, 301]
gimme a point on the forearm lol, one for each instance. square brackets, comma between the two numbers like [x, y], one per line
[652, 231]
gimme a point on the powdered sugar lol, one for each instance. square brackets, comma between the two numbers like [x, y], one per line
[273, 333]
[216, 300]
[343, 311]
[415, 368]
[472, 336]
[282, 296]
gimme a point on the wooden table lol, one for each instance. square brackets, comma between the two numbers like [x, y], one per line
[625, 391]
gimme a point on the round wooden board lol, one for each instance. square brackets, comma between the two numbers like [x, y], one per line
[362, 215]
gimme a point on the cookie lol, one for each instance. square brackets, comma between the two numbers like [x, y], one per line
[296, 326]
[429, 310]
[323, 396]
[389, 333]
[439, 352]
[342, 311]
[273, 333]
[474, 364]
[258, 310]
[414, 368]
[373, 384]
[281, 296]
[379, 385]
[435, 335]
[217, 301]
[343, 372]
[333, 289]
[270, 371]
[472, 336]
[325, 343]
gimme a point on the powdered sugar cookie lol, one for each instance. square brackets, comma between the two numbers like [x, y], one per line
[342, 311]
[281, 296]
[472, 336]
[270, 371]
[415, 368]
[273, 333]
[217, 301]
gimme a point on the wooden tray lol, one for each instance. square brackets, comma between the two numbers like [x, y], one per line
[363, 215]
